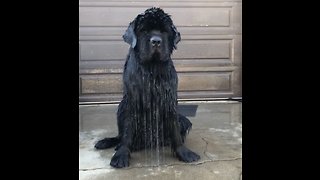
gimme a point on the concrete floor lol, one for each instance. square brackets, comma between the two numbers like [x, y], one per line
[216, 136]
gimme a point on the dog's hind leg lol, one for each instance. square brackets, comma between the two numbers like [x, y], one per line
[182, 152]
[107, 143]
[113, 141]
[185, 126]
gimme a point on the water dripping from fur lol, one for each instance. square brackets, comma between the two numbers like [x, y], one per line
[153, 113]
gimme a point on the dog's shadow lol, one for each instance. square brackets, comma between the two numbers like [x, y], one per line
[188, 110]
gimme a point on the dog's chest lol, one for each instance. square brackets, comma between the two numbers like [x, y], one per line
[155, 100]
[153, 81]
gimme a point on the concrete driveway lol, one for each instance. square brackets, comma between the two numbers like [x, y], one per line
[216, 136]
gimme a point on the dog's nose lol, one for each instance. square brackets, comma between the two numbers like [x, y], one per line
[155, 41]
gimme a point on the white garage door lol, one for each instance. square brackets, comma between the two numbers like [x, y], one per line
[208, 59]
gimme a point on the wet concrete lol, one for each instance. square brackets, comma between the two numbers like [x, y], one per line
[216, 136]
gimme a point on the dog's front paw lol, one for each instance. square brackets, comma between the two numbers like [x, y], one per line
[121, 158]
[184, 154]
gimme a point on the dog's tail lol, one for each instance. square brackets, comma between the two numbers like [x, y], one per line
[107, 143]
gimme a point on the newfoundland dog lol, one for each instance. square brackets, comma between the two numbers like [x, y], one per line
[147, 115]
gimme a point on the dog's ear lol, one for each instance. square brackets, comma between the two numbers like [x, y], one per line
[177, 37]
[129, 36]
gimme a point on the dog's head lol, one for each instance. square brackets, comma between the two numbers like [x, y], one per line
[152, 35]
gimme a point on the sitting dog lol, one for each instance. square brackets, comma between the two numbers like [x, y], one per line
[147, 115]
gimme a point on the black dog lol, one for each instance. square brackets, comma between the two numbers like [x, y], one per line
[147, 115]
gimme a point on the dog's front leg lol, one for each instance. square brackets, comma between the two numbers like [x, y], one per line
[121, 158]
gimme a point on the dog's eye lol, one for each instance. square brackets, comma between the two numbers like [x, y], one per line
[163, 31]
[143, 31]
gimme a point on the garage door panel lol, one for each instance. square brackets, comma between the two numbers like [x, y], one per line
[182, 65]
[209, 49]
[112, 83]
[103, 16]
[101, 67]
[103, 50]
[103, 33]
[117, 50]
[204, 81]
[100, 84]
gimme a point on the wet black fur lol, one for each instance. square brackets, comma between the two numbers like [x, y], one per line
[147, 115]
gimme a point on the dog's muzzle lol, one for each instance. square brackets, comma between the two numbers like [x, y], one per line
[155, 41]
